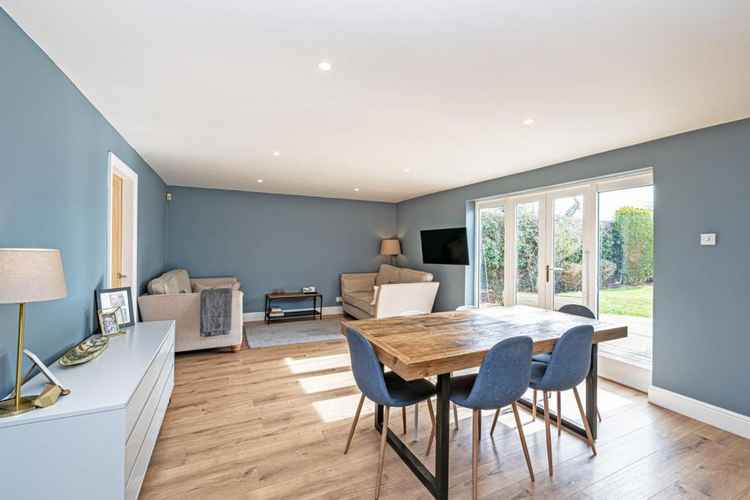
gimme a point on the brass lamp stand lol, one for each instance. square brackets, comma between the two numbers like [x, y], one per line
[27, 275]
[18, 404]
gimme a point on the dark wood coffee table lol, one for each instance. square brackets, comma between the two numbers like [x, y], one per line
[316, 311]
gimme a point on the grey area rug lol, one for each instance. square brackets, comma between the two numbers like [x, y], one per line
[292, 332]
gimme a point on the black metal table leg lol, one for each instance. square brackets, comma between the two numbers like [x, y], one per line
[442, 446]
[436, 484]
[592, 381]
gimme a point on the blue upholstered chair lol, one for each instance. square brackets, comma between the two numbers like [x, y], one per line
[575, 310]
[502, 379]
[387, 389]
[568, 366]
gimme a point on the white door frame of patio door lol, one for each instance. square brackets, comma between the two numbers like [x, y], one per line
[130, 224]
[588, 268]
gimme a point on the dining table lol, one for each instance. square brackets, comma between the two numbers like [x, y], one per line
[438, 344]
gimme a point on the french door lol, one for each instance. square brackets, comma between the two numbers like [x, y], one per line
[589, 244]
[547, 250]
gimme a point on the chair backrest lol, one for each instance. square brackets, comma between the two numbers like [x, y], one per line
[578, 310]
[570, 360]
[366, 368]
[504, 374]
[405, 299]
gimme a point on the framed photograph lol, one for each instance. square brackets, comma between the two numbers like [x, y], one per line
[108, 323]
[120, 299]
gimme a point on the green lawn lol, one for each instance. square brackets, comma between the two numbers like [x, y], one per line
[628, 301]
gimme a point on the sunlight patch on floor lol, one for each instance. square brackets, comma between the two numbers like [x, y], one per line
[329, 382]
[317, 363]
[342, 408]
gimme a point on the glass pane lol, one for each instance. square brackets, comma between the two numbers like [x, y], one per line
[568, 251]
[626, 270]
[527, 252]
[491, 256]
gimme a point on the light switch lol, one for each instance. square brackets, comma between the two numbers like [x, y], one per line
[708, 239]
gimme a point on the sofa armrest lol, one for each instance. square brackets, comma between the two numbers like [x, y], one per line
[217, 282]
[184, 309]
[357, 282]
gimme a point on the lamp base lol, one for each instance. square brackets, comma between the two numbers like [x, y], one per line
[8, 407]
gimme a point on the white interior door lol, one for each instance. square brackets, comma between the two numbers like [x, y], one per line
[122, 227]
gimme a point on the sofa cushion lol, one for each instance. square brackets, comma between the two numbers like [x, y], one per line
[182, 279]
[361, 300]
[199, 284]
[170, 283]
[387, 274]
[163, 285]
[413, 276]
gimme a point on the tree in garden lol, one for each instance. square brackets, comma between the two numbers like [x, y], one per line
[493, 255]
[636, 227]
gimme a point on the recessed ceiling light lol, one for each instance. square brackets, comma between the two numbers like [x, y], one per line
[260, 181]
[276, 153]
[529, 122]
[356, 190]
[324, 66]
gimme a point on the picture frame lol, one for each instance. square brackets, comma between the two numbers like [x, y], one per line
[120, 299]
[108, 322]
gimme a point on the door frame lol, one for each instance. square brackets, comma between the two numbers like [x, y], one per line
[130, 227]
[589, 242]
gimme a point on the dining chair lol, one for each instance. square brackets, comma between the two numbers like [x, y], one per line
[575, 310]
[502, 379]
[387, 389]
[568, 366]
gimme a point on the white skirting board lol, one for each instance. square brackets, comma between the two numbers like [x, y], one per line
[623, 373]
[260, 315]
[713, 415]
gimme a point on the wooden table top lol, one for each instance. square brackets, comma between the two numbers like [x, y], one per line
[430, 344]
[292, 295]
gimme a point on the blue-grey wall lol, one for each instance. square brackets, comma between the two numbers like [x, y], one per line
[54, 149]
[275, 241]
[702, 179]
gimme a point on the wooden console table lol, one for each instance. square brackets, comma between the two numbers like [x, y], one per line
[316, 311]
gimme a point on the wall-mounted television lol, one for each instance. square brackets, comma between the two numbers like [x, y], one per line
[445, 246]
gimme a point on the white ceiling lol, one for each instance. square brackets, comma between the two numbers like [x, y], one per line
[207, 90]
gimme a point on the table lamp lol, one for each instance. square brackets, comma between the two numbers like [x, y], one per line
[392, 248]
[27, 275]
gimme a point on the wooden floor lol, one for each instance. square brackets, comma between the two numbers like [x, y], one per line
[272, 423]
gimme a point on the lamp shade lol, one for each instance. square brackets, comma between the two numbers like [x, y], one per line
[390, 247]
[31, 275]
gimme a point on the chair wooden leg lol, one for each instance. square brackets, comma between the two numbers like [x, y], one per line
[559, 415]
[354, 424]
[455, 415]
[521, 435]
[403, 418]
[432, 432]
[545, 396]
[586, 425]
[383, 438]
[475, 453]
[494, 420]
[533, 408]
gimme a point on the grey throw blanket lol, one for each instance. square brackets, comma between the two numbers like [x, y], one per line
[216, 311]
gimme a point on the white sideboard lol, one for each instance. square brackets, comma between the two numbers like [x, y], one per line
[95, 443]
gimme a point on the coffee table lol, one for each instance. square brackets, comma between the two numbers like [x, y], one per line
[315, 311]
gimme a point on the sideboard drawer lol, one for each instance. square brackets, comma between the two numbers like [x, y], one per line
[135, 481]
[142, 393]
[136, 438]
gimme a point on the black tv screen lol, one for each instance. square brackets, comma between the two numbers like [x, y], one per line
[445, 246]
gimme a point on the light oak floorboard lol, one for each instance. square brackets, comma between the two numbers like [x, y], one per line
[272, 423]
